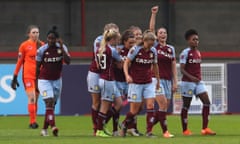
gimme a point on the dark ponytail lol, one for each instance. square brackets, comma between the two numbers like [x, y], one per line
[53, 31]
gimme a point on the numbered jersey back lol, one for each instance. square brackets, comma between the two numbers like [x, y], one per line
[106, 64]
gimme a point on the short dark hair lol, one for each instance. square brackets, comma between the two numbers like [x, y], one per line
[189, 33]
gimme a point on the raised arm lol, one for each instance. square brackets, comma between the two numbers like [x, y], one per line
[152, 21]
[66, 55]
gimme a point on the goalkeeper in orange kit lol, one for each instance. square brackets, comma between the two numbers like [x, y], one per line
[26, 61]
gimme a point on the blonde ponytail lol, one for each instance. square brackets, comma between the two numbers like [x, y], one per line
[107, 36]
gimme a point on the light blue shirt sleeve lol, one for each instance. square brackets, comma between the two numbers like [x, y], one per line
[155, 43]
[155, 60]
[116, 55]
[183, 56]
[133, 52]
[173, 51]
[66, 49]
[40, 52]
[97, 43]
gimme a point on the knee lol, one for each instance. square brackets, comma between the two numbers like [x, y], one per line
[163, 106]
[31, 100]
[134, 112]
[206, 102]
[118, 106]
[150, 105]
[205, 99]
[162, 103]
[186, 106]
[31, 97]
[96, 104]
[141, 107]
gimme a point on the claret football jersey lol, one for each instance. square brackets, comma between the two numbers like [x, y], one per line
[52, 61]
[192, 60]
[141, 63]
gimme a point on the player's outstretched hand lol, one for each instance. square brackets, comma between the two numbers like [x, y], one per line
[14, 83]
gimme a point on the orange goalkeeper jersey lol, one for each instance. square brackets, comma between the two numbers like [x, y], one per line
[27, 59]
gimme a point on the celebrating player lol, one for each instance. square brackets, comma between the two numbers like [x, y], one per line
[137, 33]
[50, 58]
[190, 64]
[137, 70]
[106, 57]
[168, 73]
[128, 40]
[93, 78]
[26, 59]
[132, 128]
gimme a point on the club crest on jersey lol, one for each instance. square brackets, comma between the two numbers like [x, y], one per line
[113, 96]
[190, 92]
[59, 51]
[96, 88]
[134, 96]
[44, 93]
[47, 53]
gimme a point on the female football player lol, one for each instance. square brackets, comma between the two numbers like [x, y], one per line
[26, 60]
[192, 84]
[168, 73]
[137, 70]
[50, 59]
[93, 78]
[107, 56]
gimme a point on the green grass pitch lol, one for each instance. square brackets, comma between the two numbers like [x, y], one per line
[78, 130]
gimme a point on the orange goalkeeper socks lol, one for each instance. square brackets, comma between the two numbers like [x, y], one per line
[32, 113]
